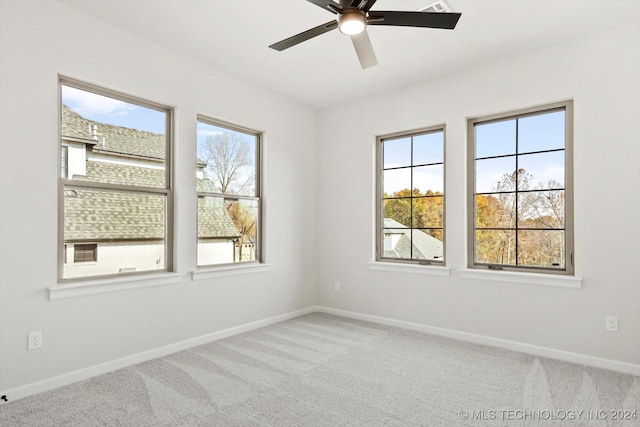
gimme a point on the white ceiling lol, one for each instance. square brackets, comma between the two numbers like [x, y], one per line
[234, 35]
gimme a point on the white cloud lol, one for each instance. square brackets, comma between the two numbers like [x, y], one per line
[88, 104]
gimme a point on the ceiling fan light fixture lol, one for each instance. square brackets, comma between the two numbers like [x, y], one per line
[351, 23]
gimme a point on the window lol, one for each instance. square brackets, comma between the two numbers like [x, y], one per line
[229, 200]
[115, 183]
[520, 188]
[64, 161]
[410, 213]
[85, 253]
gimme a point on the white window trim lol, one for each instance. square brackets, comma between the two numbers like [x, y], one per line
[401, 267]
[95, 287]
[523, 278]
[203, 273]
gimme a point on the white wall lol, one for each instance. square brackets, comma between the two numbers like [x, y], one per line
[216, 252]
[602, 75]
[40, 39]
[115, 257]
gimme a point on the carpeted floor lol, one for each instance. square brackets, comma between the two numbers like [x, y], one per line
[322, 370]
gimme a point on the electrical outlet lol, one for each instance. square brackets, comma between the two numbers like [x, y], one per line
[34, 340]
[336, 286]
[612, 323]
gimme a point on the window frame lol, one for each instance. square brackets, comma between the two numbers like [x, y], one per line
[67, 183]
[567, 107]
[258, 198]
[379, 241]
[93, 249]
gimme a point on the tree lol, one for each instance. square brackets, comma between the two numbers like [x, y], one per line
[525, 229]
[245, 222]
[416, 210]
[227, 155]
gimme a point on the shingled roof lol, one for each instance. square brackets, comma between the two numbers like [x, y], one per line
[113, 139]
[418, 243]
[214, 220]
[96, 215]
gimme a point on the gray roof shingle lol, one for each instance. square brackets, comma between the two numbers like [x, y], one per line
[96, 215]
[113, 139]
[421, 244]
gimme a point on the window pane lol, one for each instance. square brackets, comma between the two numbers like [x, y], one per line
[429, 179]
[227, 159]
[227, 230]
[413, 197]
[428, 212]
[244, 214]
[64, 152]
[395, 181]
[396, 152]
[112, 141]
[541, 132]
[541, 209]
[496, 138]
[396, 243]
[541, 248]
[129, 228]
[427, 244]
[85, 253]
[496, 247]
[397, 213]
[428, 148]
[495, 175]
[541, 171]
[496, 210]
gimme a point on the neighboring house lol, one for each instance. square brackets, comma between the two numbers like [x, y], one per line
[107, 232]
[400, 243]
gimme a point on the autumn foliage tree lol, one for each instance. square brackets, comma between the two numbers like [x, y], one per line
[415, 209]
[523, 228]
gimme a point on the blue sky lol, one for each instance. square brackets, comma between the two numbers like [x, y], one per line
[427, 149]
[112, 111]
[535, 133]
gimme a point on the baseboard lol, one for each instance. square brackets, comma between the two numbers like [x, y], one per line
[551, 353]
[103, 368]
[92, 371]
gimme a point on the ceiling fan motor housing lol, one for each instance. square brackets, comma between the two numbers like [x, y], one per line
[352, 21]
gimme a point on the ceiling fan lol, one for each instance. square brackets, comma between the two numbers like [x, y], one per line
[353, 16]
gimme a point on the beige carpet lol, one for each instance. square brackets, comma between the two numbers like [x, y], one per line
[322, 370]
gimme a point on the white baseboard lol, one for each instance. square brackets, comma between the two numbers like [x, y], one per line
[92, 371]
[551, 353]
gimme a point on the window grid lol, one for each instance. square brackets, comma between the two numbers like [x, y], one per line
[383, 197]
[85, 253]
[567, 266]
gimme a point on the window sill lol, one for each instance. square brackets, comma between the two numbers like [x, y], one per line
[429, 270]
[235, 270]
[94, 287]
[536, 279]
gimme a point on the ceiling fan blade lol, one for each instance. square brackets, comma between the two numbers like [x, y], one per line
[364, 50]
[442, 20]
[363, 5]
[304, 36]
[329, 5]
